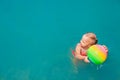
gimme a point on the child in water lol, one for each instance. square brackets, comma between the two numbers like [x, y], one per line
[87, 40]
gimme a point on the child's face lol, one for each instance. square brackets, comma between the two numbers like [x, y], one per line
[86, 42]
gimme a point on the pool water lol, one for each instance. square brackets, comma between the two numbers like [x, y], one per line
[36, 38]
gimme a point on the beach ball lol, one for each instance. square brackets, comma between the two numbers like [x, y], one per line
[97, 54]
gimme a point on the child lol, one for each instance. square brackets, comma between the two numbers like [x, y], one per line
[87, 40]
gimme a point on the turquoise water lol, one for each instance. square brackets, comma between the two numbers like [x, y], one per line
[36, 37]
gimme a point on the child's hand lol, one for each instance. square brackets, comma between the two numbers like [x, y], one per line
[106, 49]
[86, 60]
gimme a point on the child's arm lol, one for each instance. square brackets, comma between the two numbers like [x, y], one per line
[78, 51]
[80, 57]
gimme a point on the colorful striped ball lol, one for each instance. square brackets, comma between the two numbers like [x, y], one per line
[97, 54]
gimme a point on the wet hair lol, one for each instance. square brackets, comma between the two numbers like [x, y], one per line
[92, 36]
[96, 41]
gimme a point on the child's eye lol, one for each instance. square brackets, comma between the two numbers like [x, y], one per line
[85, 41]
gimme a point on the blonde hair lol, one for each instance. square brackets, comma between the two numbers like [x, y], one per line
[92, 36]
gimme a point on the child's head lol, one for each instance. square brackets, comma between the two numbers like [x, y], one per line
[88, 40]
